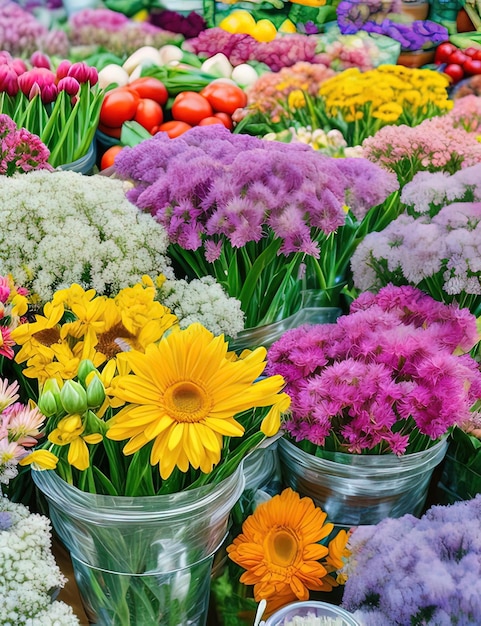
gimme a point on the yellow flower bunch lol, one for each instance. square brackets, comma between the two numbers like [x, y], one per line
[78, 325]
[389, 94]
[125, 390]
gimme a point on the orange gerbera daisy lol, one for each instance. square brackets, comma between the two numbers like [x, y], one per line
[279, 549]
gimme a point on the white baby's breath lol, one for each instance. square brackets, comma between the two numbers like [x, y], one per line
[28, 571]
[203, 300]
[61, 227]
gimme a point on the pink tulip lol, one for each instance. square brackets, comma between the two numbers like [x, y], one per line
[70, 85]
[38, 59]
[80, 71]
[63, 68]
[8, 80]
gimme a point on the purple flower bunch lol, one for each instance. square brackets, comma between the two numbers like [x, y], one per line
[20, 150]
[187, 25]
[115, 31]
[415, 35]
[352, 15]
[211, 186]
[21, 33]
[283, 51]
[433, 245]
[417, 571]
[388, 377]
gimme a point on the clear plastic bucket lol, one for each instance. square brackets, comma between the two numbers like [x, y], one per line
[358, 489]
[142, 560]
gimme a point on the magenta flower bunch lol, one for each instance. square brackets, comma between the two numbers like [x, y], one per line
[393, 375]
[254, 214]
[60, 105]
[417, 571]
[20, 150]
[13, 307]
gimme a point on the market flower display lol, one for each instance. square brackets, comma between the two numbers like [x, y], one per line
[409, 570]
[388, 377]
[73, 228]
[227, 200]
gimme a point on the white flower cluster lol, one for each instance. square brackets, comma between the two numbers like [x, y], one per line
[28, 572]
[61, 227]
[203, 300]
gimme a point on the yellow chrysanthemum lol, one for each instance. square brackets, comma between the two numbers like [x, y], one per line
[69, 432]
[183, 396]
[279, 549]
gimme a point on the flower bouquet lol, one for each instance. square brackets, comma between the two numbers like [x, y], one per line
[413, 571]
[60, 106]
[259, 216]
[20, 150]
[148, 427]
[377, 392]
[434, 244]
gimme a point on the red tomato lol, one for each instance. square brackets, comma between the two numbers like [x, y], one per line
[175, 128]
[443, 52]
[150, 87]
[149, 114]
[454, 71]
[119, 106]
[208, 121]
[108, 156]
[224, 97]
[477, 56]
[470, 52]
[190, 107]
[226, 119]
[458, 57]
[111, 132]
[472, 66]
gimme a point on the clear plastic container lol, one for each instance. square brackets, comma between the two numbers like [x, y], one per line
[85, 164]
[328, 614]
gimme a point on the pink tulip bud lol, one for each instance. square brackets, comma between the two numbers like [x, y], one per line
[5, 57]
[63, 68]
[80, 71]
[38, 59]
[34, 91]
[39, 75]
[8, 80]
[48, 93]
[19, 66]
[70, 85]
[94, 76]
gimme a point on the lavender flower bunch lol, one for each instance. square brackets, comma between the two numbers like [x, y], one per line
[254, 214]
[416, 35]
[20, 150]
[417, 571]
[434, 245]
[388, 377]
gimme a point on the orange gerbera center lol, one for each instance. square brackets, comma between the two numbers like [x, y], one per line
[281, 546]
[187, 401]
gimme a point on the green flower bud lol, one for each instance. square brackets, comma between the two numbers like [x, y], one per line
[85, 367]
[73, 397]
[95, 392]
[47, 404]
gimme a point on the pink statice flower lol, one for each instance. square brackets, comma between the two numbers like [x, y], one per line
[394, 375]
[20, 150]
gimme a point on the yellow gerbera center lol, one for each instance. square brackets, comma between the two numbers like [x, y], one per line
[187, 402]
[282, 547]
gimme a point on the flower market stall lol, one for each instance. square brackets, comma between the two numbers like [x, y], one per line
[240, 373]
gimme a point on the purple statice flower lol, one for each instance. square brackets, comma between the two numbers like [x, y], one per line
[380, 376]
[417, 571]
[352, 15]
[283, 51]
[187, 25]
[215, 184]
[5, 520]
[412, 36]
[20, 150]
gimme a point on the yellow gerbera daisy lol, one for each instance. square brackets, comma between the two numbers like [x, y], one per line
[279, 549]
[183, 395]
